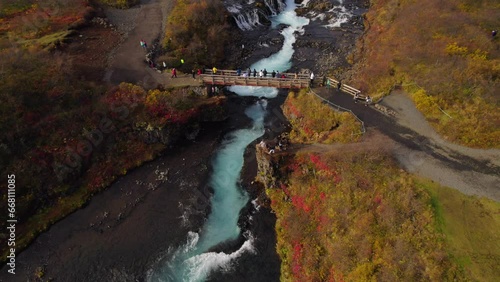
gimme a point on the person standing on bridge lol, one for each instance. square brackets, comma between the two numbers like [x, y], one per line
[339, 85]
[174, 73]
[214, 70]
[265, 73]
[193, 73]
[249, 72]
[199, 72]
[273, 74]
[254, 73]
[261, 74]
[238, 72]
[312, 79]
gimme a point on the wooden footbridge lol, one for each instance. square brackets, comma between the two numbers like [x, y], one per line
[285, 80]
[231, 77]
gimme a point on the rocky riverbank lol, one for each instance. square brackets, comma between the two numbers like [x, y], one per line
[126, 229]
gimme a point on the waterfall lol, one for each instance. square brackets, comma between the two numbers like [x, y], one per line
[247, 16]
[341, 15]
[247, 21]
[281, 5]
[270, 6]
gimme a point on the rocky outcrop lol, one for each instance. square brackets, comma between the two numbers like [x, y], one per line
[385, 110]
[170, 133]
[272, 168]
[265, 168]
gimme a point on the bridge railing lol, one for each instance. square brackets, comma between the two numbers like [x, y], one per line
[269, 74]
[230, 77]
[344, 87]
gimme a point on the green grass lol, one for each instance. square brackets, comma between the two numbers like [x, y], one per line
[471, 226]
[48, 41]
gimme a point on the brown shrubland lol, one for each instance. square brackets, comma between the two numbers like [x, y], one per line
[442, 53]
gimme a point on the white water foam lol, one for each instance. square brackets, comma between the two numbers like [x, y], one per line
[255, 205]
[341, 15]
[320, 17]
[254, 91]
[202, 265]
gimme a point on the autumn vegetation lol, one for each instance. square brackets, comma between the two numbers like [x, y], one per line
[355, 216]
[122, 4]
[198, 32]
[67, 138]
[315, 122]
[349, 213]
[33, 25]
[63, 155]
[443, 54]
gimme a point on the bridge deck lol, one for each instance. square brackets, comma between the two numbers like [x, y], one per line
[230, 77]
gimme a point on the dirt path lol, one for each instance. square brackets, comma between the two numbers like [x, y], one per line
[409, 116]
[422, 151]
[482, 178]
[127, 63]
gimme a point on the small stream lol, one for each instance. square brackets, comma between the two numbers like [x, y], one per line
[193, 261]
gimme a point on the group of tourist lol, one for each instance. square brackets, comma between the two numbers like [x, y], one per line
[193, 73]
[261, 74]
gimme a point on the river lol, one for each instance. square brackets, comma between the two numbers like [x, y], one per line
[193, 261]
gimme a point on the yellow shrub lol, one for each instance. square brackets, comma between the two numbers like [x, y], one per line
[454, 49]
[425, 103]
[452, 57]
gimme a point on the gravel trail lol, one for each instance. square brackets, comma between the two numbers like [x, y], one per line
[422, 151]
